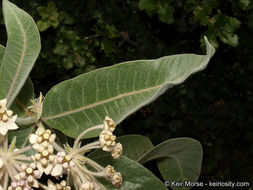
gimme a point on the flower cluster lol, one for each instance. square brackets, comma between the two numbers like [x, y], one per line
[27, 178]
[107, 139]
[42, 142]
[51, 159]
[63, 164]
[83, 177]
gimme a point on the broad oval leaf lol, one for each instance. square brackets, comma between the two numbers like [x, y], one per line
[179, 159]
[134, 146]
[22, 101]
[117, 91]
[1, 53]
[23, 47]
[135, 176]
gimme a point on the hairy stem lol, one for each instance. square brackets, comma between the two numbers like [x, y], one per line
[27, 120]
[84, 132]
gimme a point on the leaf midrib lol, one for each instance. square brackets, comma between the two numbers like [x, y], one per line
[100, 103]
[22, 55]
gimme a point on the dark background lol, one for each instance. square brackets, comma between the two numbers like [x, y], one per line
[214, 106]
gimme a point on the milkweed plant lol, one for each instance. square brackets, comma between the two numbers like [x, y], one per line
[34, 149]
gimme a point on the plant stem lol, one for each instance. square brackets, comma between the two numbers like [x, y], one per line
[27, 120]
[84, 132]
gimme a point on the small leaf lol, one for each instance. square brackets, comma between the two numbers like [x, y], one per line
[13, 144]
[134, 175]
[117, 91]
[179, 159]
[107, 46]
[43, 25]
[22, 135]
[22, 49]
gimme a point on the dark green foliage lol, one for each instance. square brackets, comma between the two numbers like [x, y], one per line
[214, 107]
[214, 16]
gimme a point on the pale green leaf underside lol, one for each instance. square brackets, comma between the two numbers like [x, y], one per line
[134, 175]
[1, 53]
[117, 91]
[23, 46]
[23, 100]
[178, 159]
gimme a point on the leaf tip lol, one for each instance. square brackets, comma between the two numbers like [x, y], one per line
[210, 50]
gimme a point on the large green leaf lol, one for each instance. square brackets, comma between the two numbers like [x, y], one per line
[134, 175]
[1, 53]
[179, 160]
[117, 91]
[23, 46]
[23, 100]
[134, 146]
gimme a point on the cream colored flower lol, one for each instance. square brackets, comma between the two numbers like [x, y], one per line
[42, 139]
[42, 142]
[7, 120]
[44, 164]
[63, 164]
[117, 180]
[107, 140]
[109, 171]
[31, 174]
[117, 151]
[109, 124]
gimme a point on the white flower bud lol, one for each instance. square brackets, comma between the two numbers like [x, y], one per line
[33, 165]
[37, 156]
[57, 170]
[52, 138]
[44, 162]
[30, 179]
[40, 131]
[65, 165]
[45, 144]
[109, 124]
[109, 171]
[9, 113]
